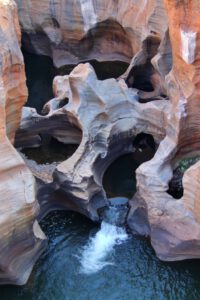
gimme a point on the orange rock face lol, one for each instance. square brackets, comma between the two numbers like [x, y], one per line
[21, 239]
[174, 223]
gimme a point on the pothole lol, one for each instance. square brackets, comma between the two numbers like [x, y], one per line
[50, 151]
[120, 179]
[43, 160]
[176, 183]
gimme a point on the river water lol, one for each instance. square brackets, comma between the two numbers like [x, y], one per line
[132, 271]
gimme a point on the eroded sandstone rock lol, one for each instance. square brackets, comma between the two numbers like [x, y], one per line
[21, 240]
[75, 31]
[174, 224]
[103, 117]
[109, 115]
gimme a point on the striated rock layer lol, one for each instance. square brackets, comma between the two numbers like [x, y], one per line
[108, 127]
[21, 240]
[174, 225]
[157, 95]
[73, 31]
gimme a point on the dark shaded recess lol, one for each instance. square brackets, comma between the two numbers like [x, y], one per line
[176, 184]
[63, 102]
[140, 75]
[103, 70]
[161, 97]
[39, 73]
[176, 189]
[120, 179]
[51, 150]
[108, 69]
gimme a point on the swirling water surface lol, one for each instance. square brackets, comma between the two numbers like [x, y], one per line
[134, 271]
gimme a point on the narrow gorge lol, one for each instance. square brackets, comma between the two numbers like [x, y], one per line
[99, 127]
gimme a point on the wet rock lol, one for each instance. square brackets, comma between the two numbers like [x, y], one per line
[116, 211]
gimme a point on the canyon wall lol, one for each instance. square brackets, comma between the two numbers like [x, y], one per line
[160, 41]
[21, 239]
[73, 31]
[174, 223]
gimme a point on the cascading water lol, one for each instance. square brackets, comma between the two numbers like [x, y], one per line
[94, 255]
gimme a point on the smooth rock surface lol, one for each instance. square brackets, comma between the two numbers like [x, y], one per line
[160, 39]
[175, 224]
[108, 128]
[21, 240]
[73, 31]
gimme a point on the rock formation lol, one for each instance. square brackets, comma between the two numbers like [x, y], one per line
[108, 127]
[75, 31]
[157, 95]
[174, 224]
[21, 240]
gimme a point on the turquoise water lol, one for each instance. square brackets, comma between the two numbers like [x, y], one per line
[136, 273]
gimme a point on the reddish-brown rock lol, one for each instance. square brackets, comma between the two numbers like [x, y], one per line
[174, 223]
[21, 239]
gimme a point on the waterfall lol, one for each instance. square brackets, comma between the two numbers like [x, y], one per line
[93, 256]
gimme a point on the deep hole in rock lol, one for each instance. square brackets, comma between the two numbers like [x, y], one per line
[51, 150]
[176, 183]
[103, 70]
[63, 102]
[39, 73]
[140, 76]
[120, 179]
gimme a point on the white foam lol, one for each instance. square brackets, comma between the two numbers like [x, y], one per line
[93, 256]
[188, 40]
[88, 12]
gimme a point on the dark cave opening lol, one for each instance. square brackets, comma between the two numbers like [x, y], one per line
[140, 77]
[119, 179]
[51, 150]
[103, 69]
[176, 185]
[39, 73]
[176, 189]
[142, 74]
